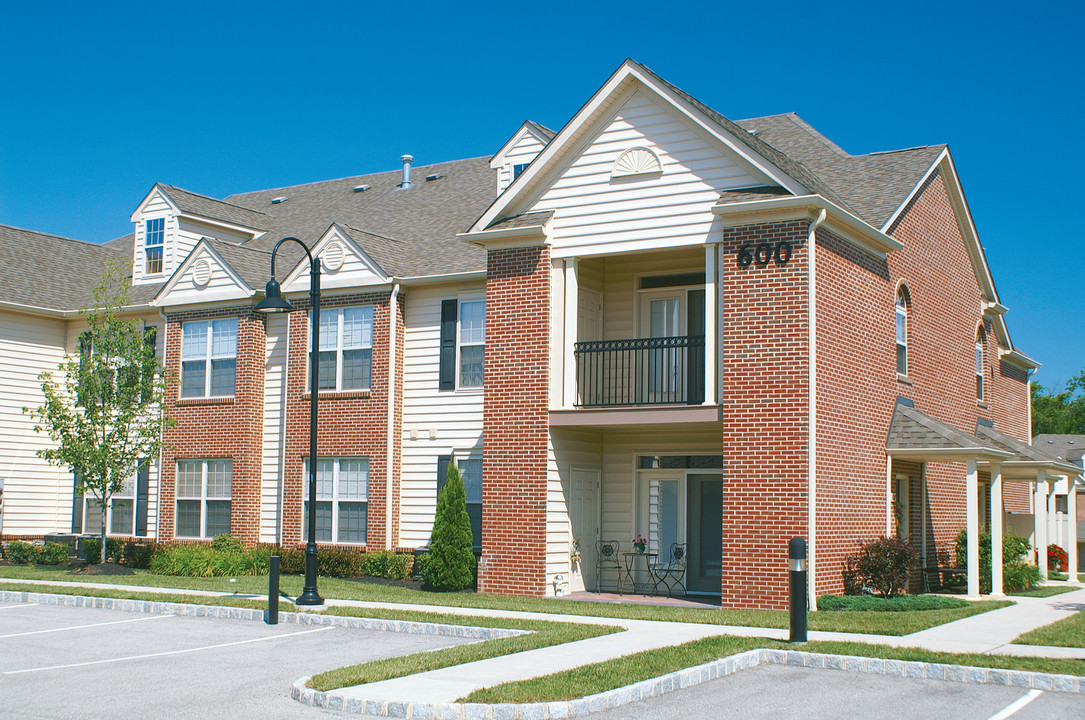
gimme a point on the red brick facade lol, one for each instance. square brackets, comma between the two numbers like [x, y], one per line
[214, 428]
[515, 431]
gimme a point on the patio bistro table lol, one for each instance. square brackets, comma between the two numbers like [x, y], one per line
[639, 572]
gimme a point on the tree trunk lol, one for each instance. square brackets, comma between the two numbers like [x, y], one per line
[104, 513]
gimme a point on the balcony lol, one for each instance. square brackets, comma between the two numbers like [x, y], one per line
[640, 372]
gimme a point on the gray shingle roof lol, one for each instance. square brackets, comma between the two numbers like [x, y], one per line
[252, 264]
[49, 271]
[418, 225]
[1070, 448]
[522, 220]
[873, 185]
[915, 430]
[1022, 450]
[195, 204]
[764, 193]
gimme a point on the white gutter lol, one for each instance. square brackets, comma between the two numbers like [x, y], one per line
[812, 395]
[389, 456]
[65, 314]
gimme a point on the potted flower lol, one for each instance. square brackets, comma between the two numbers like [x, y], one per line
[574, 554]
[1056, 557]
[639, 543]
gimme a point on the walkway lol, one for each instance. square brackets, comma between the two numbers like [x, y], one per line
[991, 632]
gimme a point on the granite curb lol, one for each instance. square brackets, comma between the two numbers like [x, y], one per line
[157, 607]
[670, 682]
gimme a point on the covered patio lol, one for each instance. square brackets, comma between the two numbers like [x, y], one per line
[917, 437]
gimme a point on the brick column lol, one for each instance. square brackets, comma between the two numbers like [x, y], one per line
[515, 427]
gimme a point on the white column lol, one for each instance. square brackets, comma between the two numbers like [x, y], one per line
[996, 530]
[972, 524]
[1071, 524]
[1052, 515]
[1039, 505]
[711, 302]
[572, 311]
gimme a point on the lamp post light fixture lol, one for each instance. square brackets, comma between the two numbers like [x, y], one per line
[274, 302]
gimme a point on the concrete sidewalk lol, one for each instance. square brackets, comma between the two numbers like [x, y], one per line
[991, 632]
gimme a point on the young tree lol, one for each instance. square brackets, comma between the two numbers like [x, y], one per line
[1059, 413]
[450, 563]
[106, 416]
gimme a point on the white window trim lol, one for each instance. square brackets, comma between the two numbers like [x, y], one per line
[981, 381]
[460, 345]
[338, 310]
[203, 498]
[147, 246]
[335, 499]
[460, 456]
[900, 309]
[207, 358]
[126, 493]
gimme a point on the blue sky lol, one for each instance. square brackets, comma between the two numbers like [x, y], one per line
[101, 100]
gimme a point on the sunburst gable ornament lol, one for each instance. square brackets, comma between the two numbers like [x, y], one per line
[636, 161]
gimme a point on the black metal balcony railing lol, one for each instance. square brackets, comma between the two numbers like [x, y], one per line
[640, 371]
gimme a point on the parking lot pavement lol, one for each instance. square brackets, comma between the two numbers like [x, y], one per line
[69, 662]
[771, 692]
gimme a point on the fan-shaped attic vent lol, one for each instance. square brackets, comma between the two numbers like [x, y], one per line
[333, 256]
[636, 161]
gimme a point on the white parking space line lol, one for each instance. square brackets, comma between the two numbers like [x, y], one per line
[1016, 705]
[20, 605]
[169, 652]
[80, 627]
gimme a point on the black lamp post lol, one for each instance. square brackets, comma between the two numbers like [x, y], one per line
[274, 302]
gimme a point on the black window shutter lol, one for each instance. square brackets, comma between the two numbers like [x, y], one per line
[77, 505]
[448, 345]
[442, 471]
[143, 482]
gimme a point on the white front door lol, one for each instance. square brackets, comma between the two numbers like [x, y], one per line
[584, 518]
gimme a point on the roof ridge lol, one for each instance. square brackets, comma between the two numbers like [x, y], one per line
[901, 150]
[350, 177]
[62, 237]
[369, 232]
[213, 199]
[239, 246]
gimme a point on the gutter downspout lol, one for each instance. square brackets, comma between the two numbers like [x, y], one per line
[811, 440]
[393, 312]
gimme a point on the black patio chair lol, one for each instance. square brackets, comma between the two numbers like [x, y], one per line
[670, 571]
[608, 559]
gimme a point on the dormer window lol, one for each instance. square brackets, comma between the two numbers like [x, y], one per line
[154, 236]
[518, 170]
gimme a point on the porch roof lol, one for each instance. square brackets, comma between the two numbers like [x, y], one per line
[1028, 459]
[914, 435]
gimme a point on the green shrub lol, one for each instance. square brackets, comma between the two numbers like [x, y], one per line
[883, 565]
[205, 561]
[53, 554]
[900, 603]
[338, 562]
[1015, 569]
[138, 555]
[292, 561]
[23, 553]
[91, 549]
[450, 564]
[387, 564]
[227, 543]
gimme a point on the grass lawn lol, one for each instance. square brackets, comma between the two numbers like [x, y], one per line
[899, 623]
[1046, 591]
[591, 679]
[1068, 632]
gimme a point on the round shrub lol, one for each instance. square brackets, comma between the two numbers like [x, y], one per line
[883, 565]
[90, 549]
[22, 553]
[53, 554]
[227, 543]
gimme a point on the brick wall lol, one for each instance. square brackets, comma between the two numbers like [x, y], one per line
[765, 414]
[515, 422]
[218, 427]
[349, 423]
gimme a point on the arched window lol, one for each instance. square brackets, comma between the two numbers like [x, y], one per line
[902, 330]
[981, 341]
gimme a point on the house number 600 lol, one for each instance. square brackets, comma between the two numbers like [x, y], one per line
[762, 253]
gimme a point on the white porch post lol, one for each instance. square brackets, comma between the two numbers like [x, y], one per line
[1052, 516]
[1071, 524]
[972, 525]
[572, 310]
[710, 304]
[996, 530]
[1039, 505]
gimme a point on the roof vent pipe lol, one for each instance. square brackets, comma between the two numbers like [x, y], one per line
[406, 160]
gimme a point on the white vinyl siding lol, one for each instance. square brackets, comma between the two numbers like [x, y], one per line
[434, 423]
[37, 495]
[593, 213]
[274, 425]
[565, 449]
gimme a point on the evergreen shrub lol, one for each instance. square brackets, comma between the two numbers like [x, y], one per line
[883, 565]
[1017, 573]
[90, 549]
[53, 554]
[450, 562]
[22, 553]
